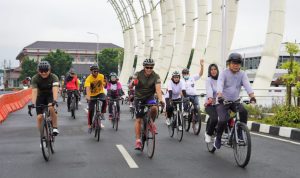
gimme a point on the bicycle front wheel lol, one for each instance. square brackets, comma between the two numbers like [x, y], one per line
[172, 126]
[132, 110]
[179, 128]
[72, 107]
[97, 129]
[196, 123]
[150, 140]
[187, 122]
[45, 141]
[242, 145]
[51, 136]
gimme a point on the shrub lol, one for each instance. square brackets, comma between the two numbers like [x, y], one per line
[287, 116]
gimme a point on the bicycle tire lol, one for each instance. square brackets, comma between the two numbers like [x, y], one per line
[150, 141]
[172, 126]
[51, 141]
[44, 138]
[98, 128]
[132, 111]
[113, 117]
[72, 107]
[179, 132]
[246, 143]
[187, 123]
[196, 124]
[117, 121]
[143, 135]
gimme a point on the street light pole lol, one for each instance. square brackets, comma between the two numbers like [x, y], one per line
[97, 45]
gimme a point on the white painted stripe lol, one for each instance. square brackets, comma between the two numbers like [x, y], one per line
[249, 124]
[264, 128]
[285, 131]
[274, 138]
[127, 157]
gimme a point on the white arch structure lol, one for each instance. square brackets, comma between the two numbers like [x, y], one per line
[166, 33]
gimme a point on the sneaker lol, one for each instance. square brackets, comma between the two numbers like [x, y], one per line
[168, 122]
[207, 138]
[89, 130]
[217, 143]
[55, 131]
[130, 105]
[180, 128]
[102, 126]
[110, 117]
[138, 144]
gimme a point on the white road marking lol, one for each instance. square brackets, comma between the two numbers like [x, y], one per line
[131, 163]
[274, 138]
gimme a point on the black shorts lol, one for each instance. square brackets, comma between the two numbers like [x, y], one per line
[139, 110]
[45, 100]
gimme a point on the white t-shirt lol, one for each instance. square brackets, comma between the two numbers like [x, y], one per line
[176, 89]
[190, 84]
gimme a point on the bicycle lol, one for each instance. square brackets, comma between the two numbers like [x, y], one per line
[147, 131]
[63, 94]
[194, 117]
[132, 112]
[73, 103]
[115, 114]
[235, 136]
[47, 137]
[96, 124]
[176, 120]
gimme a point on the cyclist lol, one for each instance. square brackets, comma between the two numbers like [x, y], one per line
[114, 91]
[191, 92]
[130, 93]
[44, 91]
[229, 86]
[211, 94]
[146, 83]
[72, 86]
[94, 85]
[176, 87]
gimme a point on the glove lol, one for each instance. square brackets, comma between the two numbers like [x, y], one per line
[220, 100]
[54, 103]
[253, 100]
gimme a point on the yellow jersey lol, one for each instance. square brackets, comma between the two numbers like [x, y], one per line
[96, 84]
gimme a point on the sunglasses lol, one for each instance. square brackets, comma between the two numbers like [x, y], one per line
[149, 68]
[176, 77]
[43, 71]
[95, 71]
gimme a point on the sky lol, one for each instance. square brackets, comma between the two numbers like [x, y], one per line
[22, 22]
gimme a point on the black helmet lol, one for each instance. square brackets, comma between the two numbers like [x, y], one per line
[235, 57]
[148, 62]
[113, 74]
[44, 65]
[94, 67]
[185, 71]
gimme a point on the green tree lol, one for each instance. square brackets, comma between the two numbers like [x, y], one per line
[60, 61]
[109, 59]
[28, 68]
[290, 79]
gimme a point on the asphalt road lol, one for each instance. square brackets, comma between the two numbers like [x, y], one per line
[79, 155]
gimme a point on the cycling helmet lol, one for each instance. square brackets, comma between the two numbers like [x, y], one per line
[175, 73]
[113, 74]
[235, 57]
[44, 65]
[28, 78]
[148, 62]
[72, 71]
[94, 67]
[185, 71]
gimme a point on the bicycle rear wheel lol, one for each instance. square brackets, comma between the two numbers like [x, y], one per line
[150, 140]
[196, 123]
[242, 145]
[179, 127]
[172, 126]
[132, 110]
[45, 144]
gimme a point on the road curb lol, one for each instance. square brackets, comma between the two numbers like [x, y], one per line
[286, 132]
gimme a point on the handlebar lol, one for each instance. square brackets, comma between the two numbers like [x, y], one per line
[40, 106]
